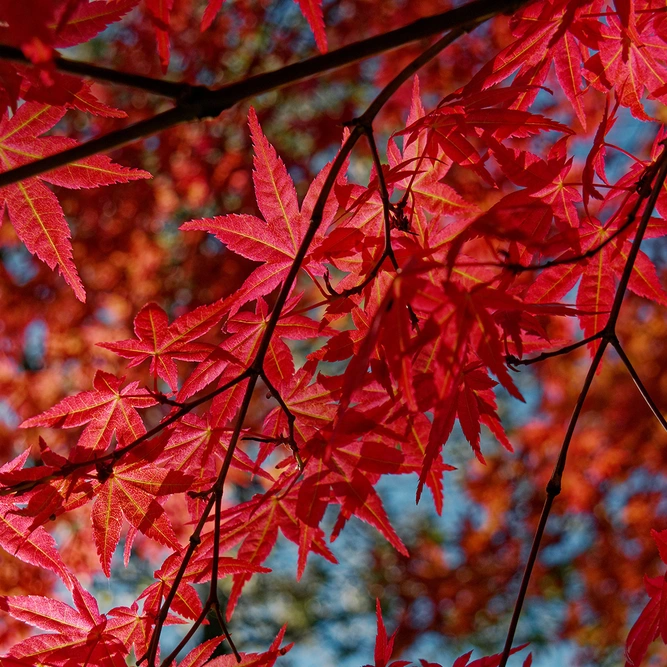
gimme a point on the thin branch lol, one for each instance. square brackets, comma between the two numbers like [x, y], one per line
[213, 600]
[225, 630]
[194, 542]
[289, 415]
[553, 489]
[256, 369]
[199, 102]
[388, 251]
[640, 385]
[648, 187]
[188, 636]
[515, 361]
[161, 87]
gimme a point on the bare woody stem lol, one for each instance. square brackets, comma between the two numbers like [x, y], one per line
[256, 369]
[148, 84]
[649, 187]
[388, 251]
[515, 361]
[638, 382]
[198, 102]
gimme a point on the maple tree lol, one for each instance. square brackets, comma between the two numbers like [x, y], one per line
[305, 272]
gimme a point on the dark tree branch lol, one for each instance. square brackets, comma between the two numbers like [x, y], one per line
[640, 385]
[649, 187]
[162, 87]
[256, 368]
[200, 102]
[289, 415]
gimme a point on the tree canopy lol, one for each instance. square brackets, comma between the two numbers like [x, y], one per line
[258, 259]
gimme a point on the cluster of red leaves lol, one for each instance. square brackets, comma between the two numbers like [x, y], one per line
[430, 309]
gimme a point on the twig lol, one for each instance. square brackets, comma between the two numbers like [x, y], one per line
[255, 370]
[640, 385]
[388, 251]
[648, 188]
[289, 415]
[515, 361]
[161, 87]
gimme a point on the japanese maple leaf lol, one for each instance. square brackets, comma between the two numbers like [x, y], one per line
[199, 655]
[162, 343]
[19, 537]
[652, 622]
[599, 274]
[193, 448]
[198, 570]
[310, 402]
[338, 474]
[426, 184]
[448, 127]
[384, 646]
[256, 524]
[107, 409]
[276, 239]
[547, 33]
[487, 661]
[130, 490]
[159, 11]
[544, 181]
[630, 59]
[79, 633]
[33, 209]
[39, 25]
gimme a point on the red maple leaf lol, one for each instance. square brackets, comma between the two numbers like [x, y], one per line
[384, 645]
[599, 274]
[266, 659]
[129, 490]
[162, 343]
[107, 409]
[276, 239]
[33, 209]
[79, 634]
